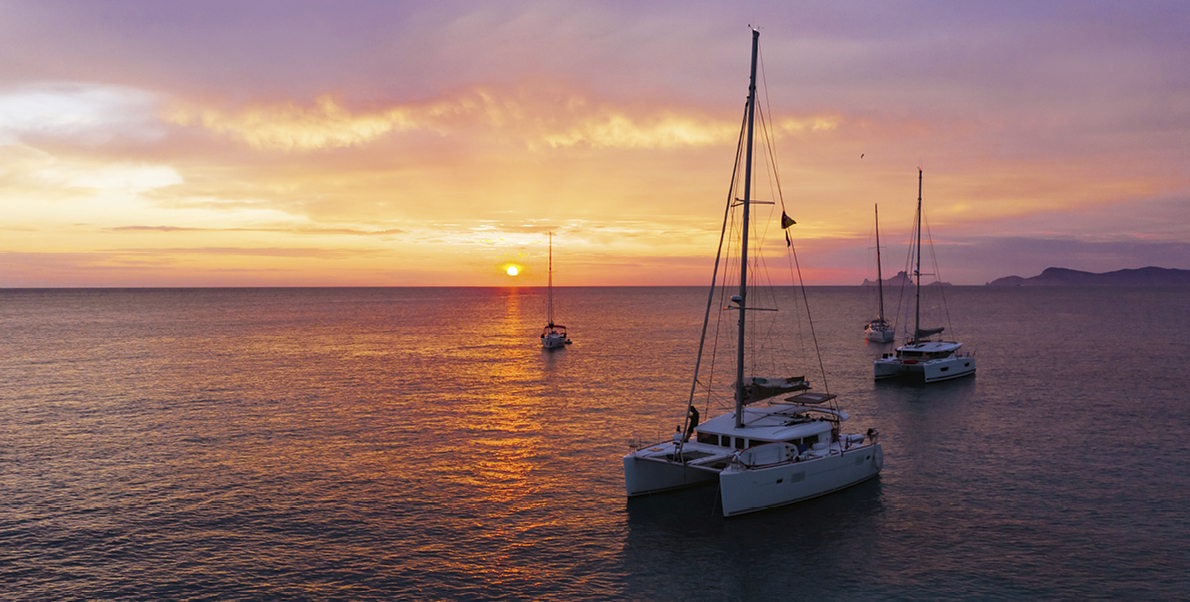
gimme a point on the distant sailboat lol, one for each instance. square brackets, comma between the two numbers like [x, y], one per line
[553, 335]
[879, 330]
[920, 356]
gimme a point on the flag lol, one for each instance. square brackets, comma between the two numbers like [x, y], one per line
[786, 221]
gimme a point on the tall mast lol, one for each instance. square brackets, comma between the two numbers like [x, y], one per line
[879, 277]
[550, 286]
[917, 270]
[743, 299]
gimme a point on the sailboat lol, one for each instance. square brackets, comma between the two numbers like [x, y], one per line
[553, 335]
[761, 455]
[879, 329]
[921, 356]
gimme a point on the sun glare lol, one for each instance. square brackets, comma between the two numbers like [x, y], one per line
[512, 271]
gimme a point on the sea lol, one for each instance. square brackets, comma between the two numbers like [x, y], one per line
[418, 444]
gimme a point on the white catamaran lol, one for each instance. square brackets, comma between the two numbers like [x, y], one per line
[921, 356]
[762, 455]
[879, 330]
[553, 335]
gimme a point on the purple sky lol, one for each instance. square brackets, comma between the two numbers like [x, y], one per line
[423, 143]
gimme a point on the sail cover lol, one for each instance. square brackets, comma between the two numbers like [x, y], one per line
[927, 332]
[759, 389]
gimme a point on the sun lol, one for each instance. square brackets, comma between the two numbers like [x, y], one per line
[512, 270]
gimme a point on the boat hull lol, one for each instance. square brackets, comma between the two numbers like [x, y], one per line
[644, 475]
[751, 489]
[929, 370]
[553, 341]
[879, 336]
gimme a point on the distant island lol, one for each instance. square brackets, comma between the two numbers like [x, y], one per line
[1150, 276]
[899, 280]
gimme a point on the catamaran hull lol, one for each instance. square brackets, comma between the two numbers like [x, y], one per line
[929, 371]
[643, 476]
[744, 490]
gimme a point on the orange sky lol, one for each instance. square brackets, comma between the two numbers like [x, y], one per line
[396, 144]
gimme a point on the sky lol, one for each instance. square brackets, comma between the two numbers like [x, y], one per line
[391, 143]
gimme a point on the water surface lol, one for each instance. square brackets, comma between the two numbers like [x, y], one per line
[418, 444]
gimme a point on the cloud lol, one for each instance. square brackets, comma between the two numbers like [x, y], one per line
[126, 177]
[89, 114]
[299, 231]
[621, 131]
[538, 118]
[290, 252]
[290, 126]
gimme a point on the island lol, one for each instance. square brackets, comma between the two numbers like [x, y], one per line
[1150, 276]
[901, 279]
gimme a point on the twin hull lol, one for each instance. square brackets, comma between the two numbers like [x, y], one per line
[930, 370]
[764, 484]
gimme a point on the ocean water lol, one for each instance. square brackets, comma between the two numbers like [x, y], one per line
[359, 444]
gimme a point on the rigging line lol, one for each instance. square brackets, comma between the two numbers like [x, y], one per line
[728, 275]
[774, 183]
[711, 295]
[723, 293]
[801, 337]
[769, 138]
[771, 157]
[938, 277]
[766, 131]
[903, 294]
[809, 318]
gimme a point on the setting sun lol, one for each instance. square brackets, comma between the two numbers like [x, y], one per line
[512, 271]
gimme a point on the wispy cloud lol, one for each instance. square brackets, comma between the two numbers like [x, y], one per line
[302, 252]
[547, 117]
[86, 113]
[298, 231]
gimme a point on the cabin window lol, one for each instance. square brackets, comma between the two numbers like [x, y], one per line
[708, 438]
[739, 443]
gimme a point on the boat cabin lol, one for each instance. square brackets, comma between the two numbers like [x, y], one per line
[735, 442]
[555, 329]
[924, 355]
[777, 423]
[927, 350]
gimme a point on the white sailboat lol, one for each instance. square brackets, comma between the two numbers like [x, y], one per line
[879, 330]
[553, 335]
[921, 356]
[761, 456]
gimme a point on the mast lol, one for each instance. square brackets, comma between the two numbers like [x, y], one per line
[742, 297]
[917, 270]
[879, 277]
[550, 285]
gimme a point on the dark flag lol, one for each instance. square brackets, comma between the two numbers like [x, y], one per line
[786, 221]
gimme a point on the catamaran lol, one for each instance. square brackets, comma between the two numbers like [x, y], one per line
[781, 444]
[921, 356]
